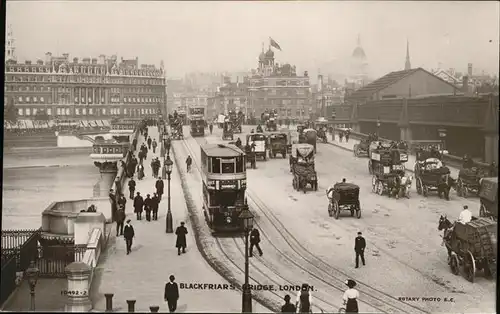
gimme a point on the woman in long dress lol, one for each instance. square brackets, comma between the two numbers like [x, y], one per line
[351, 297]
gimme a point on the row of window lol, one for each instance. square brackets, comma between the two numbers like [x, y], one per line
[82, 79]
[65, 99]
[43, 88]
[86, 111]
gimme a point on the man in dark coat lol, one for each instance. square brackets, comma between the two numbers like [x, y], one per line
[159, 188]
[359, 248]
[138, 204]
[122, 201]
[181, 232]
[141, 156]
[149, 142]
[155, 201]
[131, 188]
[171, 294]
[154, 144]
[120, 220]
[288, 307]
[128, 234]
[254, 241]
[134, 144]
[148, 207]
[112, 200]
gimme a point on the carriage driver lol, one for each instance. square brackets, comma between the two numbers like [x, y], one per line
[331, 188]
[465, 216]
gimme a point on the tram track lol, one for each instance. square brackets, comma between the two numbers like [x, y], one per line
[317, 268]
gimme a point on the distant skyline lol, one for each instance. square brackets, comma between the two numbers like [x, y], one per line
[227, 36]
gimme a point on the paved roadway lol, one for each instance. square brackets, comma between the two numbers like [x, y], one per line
[142, 275]
[409, 263]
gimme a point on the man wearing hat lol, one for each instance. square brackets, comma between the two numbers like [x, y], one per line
[465, 215]
[181, 232]
[351, 297]
[138, 204]
[171, 294]
[288, 307]
[359, 248]
[128, 234]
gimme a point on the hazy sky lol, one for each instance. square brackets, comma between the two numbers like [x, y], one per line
[227, 36]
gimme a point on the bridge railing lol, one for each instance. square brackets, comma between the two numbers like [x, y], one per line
[452, 160]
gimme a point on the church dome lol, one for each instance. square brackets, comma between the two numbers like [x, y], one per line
[359, 53]
[270, 53]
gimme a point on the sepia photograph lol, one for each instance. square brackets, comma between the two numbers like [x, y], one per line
[250, 156]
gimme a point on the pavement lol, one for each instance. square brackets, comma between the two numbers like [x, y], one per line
[48, 296]
[142, 275]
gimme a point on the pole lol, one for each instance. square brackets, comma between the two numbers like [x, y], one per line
[32, 293]
[247, 293]
[169, 225]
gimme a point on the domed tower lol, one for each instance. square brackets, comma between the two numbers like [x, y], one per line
[266, 62]
[10, 46]
[262, 59]
[359, 63]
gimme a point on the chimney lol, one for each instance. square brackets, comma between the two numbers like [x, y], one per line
[66, 56]
[27, 62]
[465, 85]
[102, 59]
[48, 57]
[469, 69]
[75, 60]
[94, 60]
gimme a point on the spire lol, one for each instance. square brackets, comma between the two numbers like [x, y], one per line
[407, 63]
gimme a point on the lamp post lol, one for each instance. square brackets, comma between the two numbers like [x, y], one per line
[378, 126]
[442, 136]
[168, 168]
[32, 273]
[166, 144]
[247, 217]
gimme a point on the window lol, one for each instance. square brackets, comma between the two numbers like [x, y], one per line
[124, 110]
[103, 110]
[215, 165]
[20, 111]
[91, 111]
[35, 99]
[28, 111]
[240, 162]
[77, 111]
[34, 111]
[58, 111]
[27, 99]
[84, 111]
[20, 99]
[49, 111]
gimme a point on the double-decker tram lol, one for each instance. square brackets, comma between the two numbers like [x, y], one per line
[224, 184]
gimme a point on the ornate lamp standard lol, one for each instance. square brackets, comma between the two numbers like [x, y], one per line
[247, 217]
[32, 273]
[166, 144]
[442, 135]
[378, 126]
[168, 168]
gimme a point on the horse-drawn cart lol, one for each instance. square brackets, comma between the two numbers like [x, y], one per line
[488, 196]
[278, 142]
[302, 167]
[468, 181]
[472, 246]
[344, 196]
[432, 175]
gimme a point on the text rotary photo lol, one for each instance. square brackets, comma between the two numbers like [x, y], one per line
[212, 286]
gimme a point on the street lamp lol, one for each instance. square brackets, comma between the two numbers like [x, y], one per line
[442, 135]
[247, 217]
[378, 126]
[168, 168]
[32, 273]
[165, 143]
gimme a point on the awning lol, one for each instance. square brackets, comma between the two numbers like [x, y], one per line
[51, 123]
[29, 124]
[106, 122]
[92, 123]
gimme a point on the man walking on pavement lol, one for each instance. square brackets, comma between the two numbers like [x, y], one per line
[288, 307]
[149, 143]
[134, 144]
[147, 207]
[154, 144]
[138, 203]
[159, 188]
[254, 241]
[112, 200]
[181, 232]
[131, 188]
[120, 219]
[171, 294]
[155, 201]
[128, 234]
[359, 248]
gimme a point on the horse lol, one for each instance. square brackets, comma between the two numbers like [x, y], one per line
[447, 226]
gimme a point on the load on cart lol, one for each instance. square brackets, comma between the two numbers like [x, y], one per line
[308, 136]
[363, 147]
[471, 245]
[227, 130]
[488, 196]
[431, 174]
[302, 167]
[343, 196]
[176, 129]
[387, 165]
[321, 127]
[278, 142]
[468, 180]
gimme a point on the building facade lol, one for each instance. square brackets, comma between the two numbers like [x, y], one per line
[231, 96]
[90, 88]
[324, 96]
[275, 86]
[10, 45]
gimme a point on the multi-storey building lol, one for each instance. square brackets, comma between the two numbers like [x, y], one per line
[193, 100]
[274, 86]
[231, 96]
[90, 88]
[324, 96]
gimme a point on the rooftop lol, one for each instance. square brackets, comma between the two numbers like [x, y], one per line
[222, 150]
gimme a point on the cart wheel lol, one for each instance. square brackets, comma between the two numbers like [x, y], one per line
[447, 193]
[425, 190]
[465, 192]
[293, 183]
[316, 185]
[374, 184]
[380, 188]
[336, 209]
[469, 266]
[418, 184]
[330, 210]
[482, 211]
[352, 212]
[454, 264]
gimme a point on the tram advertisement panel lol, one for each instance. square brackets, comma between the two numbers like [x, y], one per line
[226, 184]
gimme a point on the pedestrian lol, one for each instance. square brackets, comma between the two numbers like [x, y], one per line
[120, 219]
[341, 134]
[141, 156]
[159, 187]
[122, 201]
[134, 144]
[304, 299]
[359, 248]
[155, 201]
[171, 294]
[128, 234]
[147, 207]
[288, 307]
[153, 167]
[112, 200]
[138, 204]
[149, 142]
[181, 232]
[347, 133]
[140, 171]
[350, 297]
[254, 241]
[131, 188]
[211, 127]
[154, 144]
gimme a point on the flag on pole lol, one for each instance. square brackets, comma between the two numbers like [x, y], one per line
[274, 44]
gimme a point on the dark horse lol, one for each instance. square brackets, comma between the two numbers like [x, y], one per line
[445, 183]
[447, 226]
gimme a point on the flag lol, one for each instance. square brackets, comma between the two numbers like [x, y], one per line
[274, 44]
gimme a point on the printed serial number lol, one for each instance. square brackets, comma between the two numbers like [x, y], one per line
[73, 292]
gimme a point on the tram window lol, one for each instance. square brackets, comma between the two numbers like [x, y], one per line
[224, 198]
[228, 167]
[215, 165]
[239, 164]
